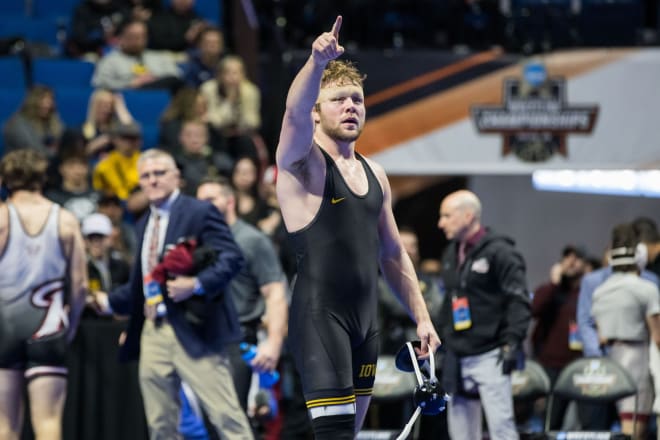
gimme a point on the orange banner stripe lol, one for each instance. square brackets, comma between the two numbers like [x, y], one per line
[431, 77]
[444, 108]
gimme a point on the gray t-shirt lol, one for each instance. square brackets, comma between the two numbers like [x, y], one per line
[262, 267]
[621, 305]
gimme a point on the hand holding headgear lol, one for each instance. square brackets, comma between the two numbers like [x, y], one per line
[429, 397]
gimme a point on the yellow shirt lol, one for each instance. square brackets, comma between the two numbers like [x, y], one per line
[117, 174]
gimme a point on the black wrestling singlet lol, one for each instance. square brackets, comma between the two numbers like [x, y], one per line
[332, 324]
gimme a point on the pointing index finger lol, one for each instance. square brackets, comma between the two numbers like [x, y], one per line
[336, 27]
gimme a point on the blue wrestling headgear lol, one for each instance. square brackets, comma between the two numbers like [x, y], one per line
[429, 397]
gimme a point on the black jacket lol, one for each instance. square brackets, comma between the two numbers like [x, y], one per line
[493, 280]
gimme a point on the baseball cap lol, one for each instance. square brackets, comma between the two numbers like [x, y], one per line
[96, 223]
[131, 129]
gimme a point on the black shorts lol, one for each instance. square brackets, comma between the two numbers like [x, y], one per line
[21, 350]
[336, 361]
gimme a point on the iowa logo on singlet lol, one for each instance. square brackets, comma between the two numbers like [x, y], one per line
[50, 296]
[367, 370]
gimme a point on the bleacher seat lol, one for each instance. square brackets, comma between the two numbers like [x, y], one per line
[46, 30]
[146, 106]
[62, 73]
[10, 101]
[72, 104]
[12, 73]
[14, 25]
[53, 8]
[210, 10]
[149, 136]
[13, 7]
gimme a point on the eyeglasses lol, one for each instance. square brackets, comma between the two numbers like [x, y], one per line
[155, 173]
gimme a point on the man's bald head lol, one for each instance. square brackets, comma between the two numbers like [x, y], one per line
[460, 215]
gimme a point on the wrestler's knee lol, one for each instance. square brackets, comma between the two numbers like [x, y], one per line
[47, 428]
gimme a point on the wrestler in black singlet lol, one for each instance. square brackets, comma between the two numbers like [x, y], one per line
[332, 323]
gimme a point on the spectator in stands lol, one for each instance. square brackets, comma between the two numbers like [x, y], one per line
[197, 160]
[122, 238]
[117, 173]
[75, 193]
[36, 125]
[105, 110]
[555, 338]
[251, 206]
[626, 309]
[234, 106]
[176, 27]
[140, 10]
[187, 105]
[133, 66]
[204, 58]
[93, 28]
[105, 268]
[649, 238]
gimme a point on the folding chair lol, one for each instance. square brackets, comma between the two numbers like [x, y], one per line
[527, 386]
[530, 383]
[595, 380]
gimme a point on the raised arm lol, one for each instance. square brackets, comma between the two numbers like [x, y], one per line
[398, 269]
[298, 126]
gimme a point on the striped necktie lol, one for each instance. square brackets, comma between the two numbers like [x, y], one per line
[153, 243]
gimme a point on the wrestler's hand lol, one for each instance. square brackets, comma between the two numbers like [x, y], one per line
[427, 334]
[326, 46]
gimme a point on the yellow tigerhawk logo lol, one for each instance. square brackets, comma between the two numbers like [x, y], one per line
[335, 201]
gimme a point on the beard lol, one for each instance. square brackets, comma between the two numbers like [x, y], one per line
[340, 134]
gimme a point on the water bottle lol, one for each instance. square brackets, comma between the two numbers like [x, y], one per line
[266, 378]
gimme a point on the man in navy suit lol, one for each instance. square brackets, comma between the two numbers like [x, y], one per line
[180, 330]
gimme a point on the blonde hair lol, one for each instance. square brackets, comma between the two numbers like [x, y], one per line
[341, 72]
[30, 110]
[90, 127]
[225, 61]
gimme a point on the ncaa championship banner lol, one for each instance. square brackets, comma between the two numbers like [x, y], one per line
[579, 109]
